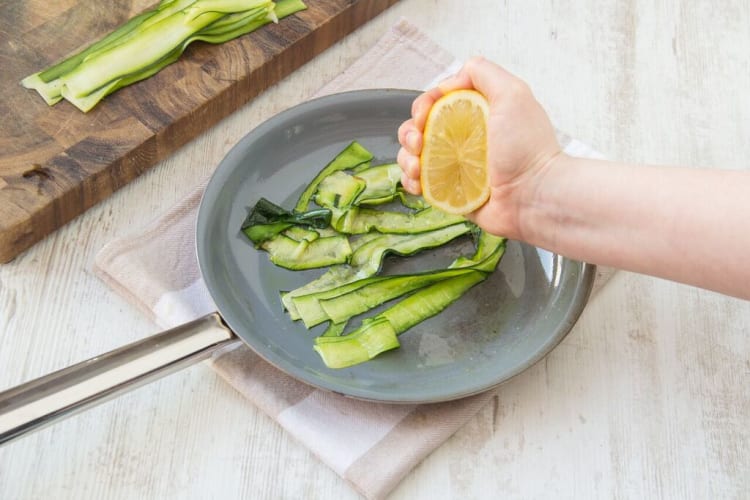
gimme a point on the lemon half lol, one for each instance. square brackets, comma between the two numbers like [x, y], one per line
[453, 173]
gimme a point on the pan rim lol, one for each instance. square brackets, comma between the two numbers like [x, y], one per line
[218, 179]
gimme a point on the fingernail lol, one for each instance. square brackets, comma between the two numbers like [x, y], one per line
[412, 166]
[406, 181]
[446, 80]
[447, 83]
[414, 186]
[412, 140]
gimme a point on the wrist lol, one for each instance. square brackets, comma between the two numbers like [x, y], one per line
[538, 207]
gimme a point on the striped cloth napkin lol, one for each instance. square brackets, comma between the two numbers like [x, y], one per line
[373, 446]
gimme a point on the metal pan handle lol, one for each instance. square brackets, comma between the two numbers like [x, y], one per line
[43, 401]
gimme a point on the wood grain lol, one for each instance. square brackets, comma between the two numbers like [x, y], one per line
[648, 397]
[57, 162]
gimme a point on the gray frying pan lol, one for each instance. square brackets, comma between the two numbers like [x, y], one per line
[499, 328]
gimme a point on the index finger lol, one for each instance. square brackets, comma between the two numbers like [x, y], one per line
[420, 108]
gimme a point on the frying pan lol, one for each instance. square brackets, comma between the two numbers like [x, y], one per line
[499, 328]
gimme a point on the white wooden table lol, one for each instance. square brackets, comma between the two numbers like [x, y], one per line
[649, 396]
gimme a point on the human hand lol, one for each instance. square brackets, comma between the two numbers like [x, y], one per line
[521, 142]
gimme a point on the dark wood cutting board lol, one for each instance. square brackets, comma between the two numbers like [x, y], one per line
[56, 162]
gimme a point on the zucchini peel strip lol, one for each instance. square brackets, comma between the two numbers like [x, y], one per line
[348, 192]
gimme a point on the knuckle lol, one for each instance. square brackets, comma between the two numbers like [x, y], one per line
[402, 130]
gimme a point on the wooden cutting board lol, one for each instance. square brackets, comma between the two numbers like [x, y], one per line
[56, 162]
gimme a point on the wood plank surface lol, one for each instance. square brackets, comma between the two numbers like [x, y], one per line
[56, 162]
